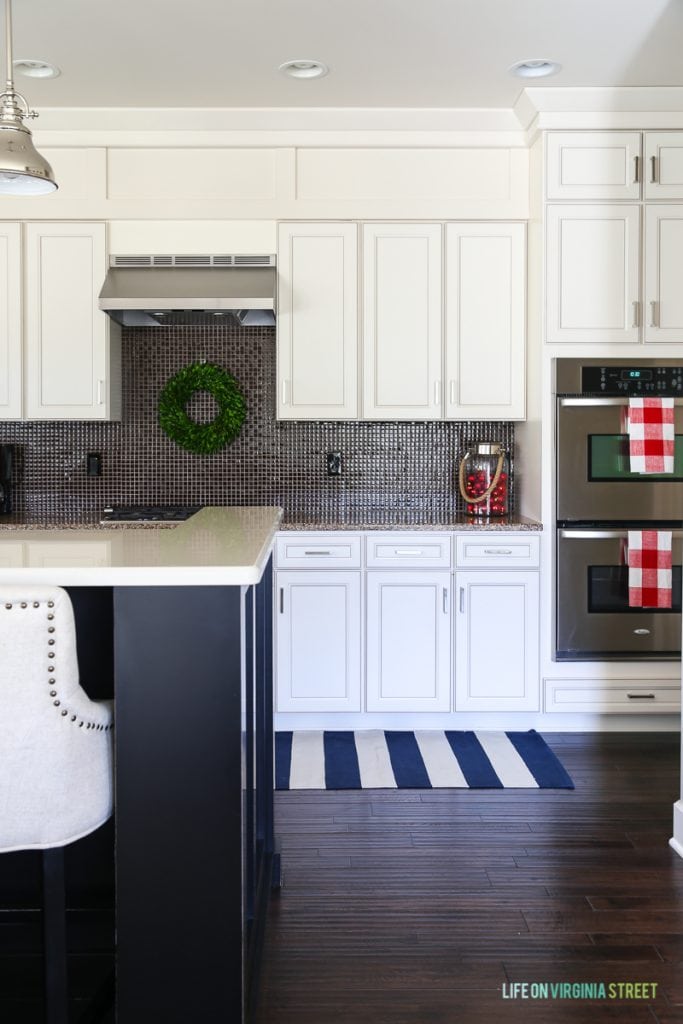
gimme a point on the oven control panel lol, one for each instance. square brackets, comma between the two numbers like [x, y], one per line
[632, 380]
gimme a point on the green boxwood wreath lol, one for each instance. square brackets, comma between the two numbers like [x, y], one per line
[202, 438]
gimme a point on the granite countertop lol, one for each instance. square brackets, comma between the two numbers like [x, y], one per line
[216, 546]
[361, 521]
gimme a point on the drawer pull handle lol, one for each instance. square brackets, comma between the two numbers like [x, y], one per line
[462, 600]
[498, 551]
[641, 696]
[642, 631]
[653, 170]
[408, 551]
[636, 170]
[317, 552]
[445, 600]
[282, 600]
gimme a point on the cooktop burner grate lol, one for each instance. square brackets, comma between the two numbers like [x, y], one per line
[148, 513]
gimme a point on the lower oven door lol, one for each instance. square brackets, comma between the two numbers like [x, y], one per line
[594, 620]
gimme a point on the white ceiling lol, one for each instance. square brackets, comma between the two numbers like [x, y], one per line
[381, 53]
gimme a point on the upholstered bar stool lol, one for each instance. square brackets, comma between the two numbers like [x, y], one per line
[55, 755]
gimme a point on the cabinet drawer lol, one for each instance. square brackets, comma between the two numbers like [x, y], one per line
[317, 550]
[408, 550]
[622, 696]
[496, 549]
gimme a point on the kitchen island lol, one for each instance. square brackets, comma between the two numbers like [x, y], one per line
[190, 622]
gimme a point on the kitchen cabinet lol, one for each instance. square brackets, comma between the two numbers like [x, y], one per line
[402, 321]
[664, 165]
[485, 321]
[72, 363]
[593, 165]
[318, 640]
[60, 354]
[663, 260]
[402, 312]
[317, 324]
[497, 640]
[592, 268]
[10, 321]
[408, 640]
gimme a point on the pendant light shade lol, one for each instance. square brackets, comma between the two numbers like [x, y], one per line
[23, 171]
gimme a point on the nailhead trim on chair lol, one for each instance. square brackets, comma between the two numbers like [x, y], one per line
[52, 668]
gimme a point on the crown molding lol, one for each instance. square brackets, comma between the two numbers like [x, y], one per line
[628, 107]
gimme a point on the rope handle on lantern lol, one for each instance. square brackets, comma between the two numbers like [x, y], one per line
[489, 490]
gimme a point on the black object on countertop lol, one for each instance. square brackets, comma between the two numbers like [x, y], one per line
[5, 479]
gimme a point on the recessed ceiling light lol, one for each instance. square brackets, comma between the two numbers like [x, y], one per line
[537, 68]
[35, 68]
[304, 68]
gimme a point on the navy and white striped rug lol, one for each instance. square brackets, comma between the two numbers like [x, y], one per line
[373, 759]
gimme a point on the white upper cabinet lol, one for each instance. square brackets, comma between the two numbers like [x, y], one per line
[593, 165]
[663, 262]
[402, 321]
[664, 165]
[485, 321]
[72, 370]
[10, 322]
[317, 327]
[592, 267]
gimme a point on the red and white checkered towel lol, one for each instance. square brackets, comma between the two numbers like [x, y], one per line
[649, 568]
[649, 423]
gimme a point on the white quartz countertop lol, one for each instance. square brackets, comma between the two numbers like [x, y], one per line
[215, 547]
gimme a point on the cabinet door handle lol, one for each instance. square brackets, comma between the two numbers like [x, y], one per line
[636, 170]
[462, 599]
[654, 314]
[452, 391]
[284, 392]
[636, 314]
[445, 600]
[653, 169]
[497, 551]
[100, 392]
[437, 391]
[282, 600]
[641, 696]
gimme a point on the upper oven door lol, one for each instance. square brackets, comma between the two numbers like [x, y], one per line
[594, 481]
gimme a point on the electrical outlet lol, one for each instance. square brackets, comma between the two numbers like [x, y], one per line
[334, 463]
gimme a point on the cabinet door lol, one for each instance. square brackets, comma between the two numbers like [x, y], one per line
[408, 641]
[497, 641]
[485, 321]
[592, 261]
[593, 165]
[69, 373]
[402, 329]
[664, 165]
[663, 261]
[318, 631]
[10, 322]
[317, 323]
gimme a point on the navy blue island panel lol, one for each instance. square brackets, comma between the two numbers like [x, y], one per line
[194, 791]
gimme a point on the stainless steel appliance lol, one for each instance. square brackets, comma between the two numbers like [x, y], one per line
[598, 499]
[5, 479]
[147, 513]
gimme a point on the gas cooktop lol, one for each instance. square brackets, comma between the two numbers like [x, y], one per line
[148, 513]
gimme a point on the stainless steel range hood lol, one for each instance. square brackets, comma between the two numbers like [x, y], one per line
[146, 291]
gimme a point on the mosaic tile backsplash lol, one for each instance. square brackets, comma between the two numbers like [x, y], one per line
[407, 468]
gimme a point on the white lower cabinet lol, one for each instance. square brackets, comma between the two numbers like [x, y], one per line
[318, 640]
[497, 640]
[408, 641]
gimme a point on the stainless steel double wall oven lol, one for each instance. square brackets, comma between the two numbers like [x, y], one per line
[599, 500]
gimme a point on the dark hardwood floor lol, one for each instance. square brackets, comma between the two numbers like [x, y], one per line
[419, 907]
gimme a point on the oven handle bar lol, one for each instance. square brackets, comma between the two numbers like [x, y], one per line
[581, 402]
[604, 534]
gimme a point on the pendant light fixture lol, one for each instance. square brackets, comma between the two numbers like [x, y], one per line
[23, 171]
